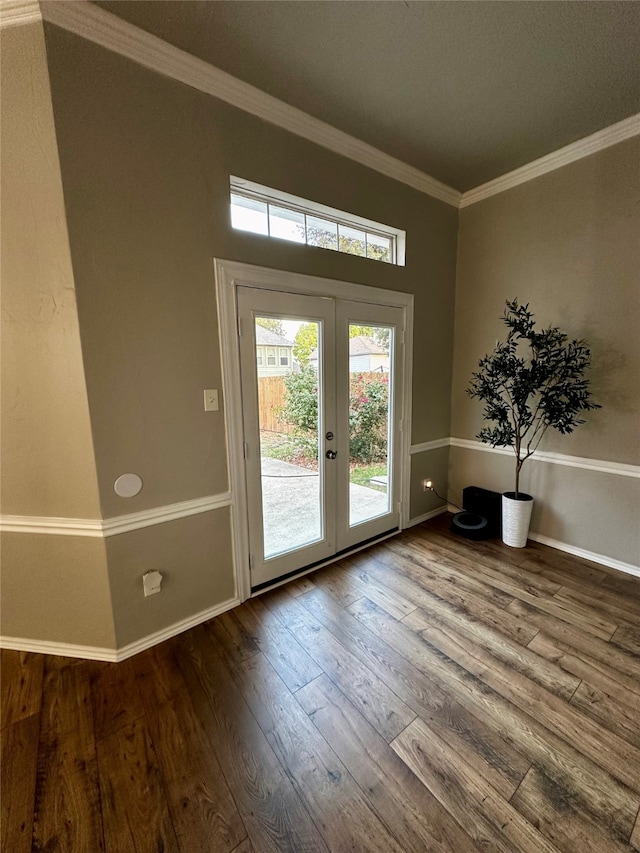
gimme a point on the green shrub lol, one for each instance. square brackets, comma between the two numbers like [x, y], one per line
[368, 406]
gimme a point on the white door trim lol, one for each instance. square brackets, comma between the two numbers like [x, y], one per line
[229, 275]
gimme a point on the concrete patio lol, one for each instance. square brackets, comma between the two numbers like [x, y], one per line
[291, 505]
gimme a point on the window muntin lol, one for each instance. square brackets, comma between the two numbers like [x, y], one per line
[271, 356]
[262, 210]
[284, 358]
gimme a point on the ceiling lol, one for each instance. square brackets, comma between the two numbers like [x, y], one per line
[463, 91]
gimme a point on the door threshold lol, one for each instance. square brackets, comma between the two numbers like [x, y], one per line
[312, 567]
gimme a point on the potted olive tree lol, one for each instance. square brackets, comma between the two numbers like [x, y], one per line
[530, 382]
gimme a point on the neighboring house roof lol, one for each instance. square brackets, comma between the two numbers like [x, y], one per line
[359, 345]
[265, 337]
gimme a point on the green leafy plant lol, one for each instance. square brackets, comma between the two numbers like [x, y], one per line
[368, 406]
[530, 382]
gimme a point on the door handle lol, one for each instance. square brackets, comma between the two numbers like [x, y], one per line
[331, 454]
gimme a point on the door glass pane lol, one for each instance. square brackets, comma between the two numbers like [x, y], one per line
[370, 392]
[288, 412]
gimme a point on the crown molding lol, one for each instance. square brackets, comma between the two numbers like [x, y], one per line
[15, 12]
[605, 138]
[101, 27]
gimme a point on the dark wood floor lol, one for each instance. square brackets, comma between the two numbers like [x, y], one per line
[430, 694]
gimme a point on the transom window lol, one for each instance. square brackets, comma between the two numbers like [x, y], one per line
[266, 211]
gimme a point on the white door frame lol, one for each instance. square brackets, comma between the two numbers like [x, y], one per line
[229, 275]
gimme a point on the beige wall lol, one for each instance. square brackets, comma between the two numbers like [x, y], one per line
[567, 243]
[48, 465]
[194, 556]
[146, 164]
[53, 587]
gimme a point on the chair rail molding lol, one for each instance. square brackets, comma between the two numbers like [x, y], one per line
[622, 469]
[99, 528]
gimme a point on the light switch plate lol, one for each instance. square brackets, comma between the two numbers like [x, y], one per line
[211, 400]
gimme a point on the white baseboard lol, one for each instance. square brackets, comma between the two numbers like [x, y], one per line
[67, 650]
[71, 650]
[427, 515]
[592, 556]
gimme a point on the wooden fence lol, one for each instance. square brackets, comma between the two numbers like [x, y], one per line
[271, 394]
[271, 397]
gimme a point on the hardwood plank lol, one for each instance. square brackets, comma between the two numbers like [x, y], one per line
[610, 713]
[528, 589]
[231, 635]
[606, 799]
[416, 818]
[623, 688]
[628, 638]
[244, 847]
[361, 584]
[574, 641]
[620, 582]
[386, 712]
[479, 644]
[275, 818]
[18, 764]
[420, 585]
[336, 803]
[337, 583]
[616, 756]
[427, 567]
[67, 697]
[462, 554]
[488, 818]
[20, 685]
[203, 811]
[277, 644]
[483, 747]
[519, 658]
[135, 811]
[625, 611]
[550, 808]
[298, 586]
[68, 813]
[115, 698]
[635, 835]
[593, 592]
[544, 557]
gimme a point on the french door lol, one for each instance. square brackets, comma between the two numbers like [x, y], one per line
[321, 426]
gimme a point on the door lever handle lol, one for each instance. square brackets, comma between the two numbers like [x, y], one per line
[331, 454]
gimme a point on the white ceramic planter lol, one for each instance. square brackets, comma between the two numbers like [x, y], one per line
[516, 516]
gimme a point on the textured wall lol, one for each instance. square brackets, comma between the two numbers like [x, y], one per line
[53, 587]
[567, 243]
[146, 164]
[48, 464]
